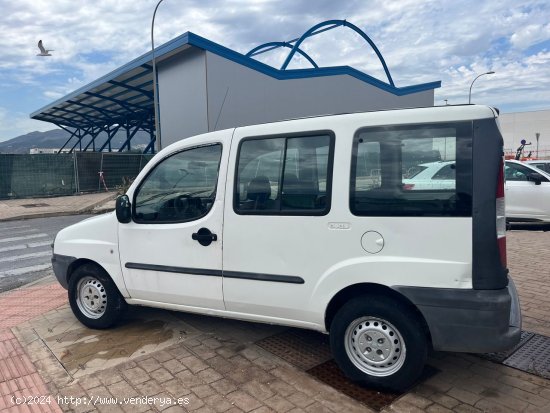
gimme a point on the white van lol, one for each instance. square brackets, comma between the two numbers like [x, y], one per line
[308, 223]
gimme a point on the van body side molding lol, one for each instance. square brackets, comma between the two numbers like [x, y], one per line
[169, 268]
[264, 277]
[290, 279]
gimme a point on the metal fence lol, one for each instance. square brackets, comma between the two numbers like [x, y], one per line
[541, 154]
[43, 175]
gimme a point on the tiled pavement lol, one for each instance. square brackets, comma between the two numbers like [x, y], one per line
[26, 303]
[211, 371]
[529, 264]
[214, 365]
[18, 375]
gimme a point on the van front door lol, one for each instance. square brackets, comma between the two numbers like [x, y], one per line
[171, 251]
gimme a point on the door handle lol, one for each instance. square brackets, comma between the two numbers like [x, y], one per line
[204, 237]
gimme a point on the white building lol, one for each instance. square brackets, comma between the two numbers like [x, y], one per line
[34, 151]
[525, 125]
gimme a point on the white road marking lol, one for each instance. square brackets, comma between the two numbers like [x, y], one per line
[42, 235]
[26, 256]
[21, 231]
[40, 244]
[25, 246]
[14, 247]
[25, 270]
[21, 226]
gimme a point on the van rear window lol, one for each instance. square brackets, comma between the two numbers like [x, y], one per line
[412, 170]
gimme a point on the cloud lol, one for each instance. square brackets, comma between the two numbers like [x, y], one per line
[13, 124]
[530, 35]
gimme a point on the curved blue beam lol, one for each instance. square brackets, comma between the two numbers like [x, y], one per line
[335, 23]
[274, 45]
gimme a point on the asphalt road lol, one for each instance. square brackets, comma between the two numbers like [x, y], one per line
[25, 248]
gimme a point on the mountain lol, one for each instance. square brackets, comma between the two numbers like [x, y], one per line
[56, 138]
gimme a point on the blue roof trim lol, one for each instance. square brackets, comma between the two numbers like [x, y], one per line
[205, 44]
[229, 54]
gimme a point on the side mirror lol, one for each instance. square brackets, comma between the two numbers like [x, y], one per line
[535, 177]
[123, 209]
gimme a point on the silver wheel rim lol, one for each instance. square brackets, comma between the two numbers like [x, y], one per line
[91, 297]
[375, 346]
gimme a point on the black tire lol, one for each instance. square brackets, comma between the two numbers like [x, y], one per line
[104, 304]
[402, 360]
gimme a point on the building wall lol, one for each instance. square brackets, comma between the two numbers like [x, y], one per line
[252, 97]
[182, 96]
[200, 92]
[524, 125]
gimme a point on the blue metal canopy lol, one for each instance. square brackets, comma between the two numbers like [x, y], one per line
[123, 98]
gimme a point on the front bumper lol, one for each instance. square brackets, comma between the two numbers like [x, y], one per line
[473, 321]
[61, 264]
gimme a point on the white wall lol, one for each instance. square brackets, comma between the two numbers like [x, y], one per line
[182, 96]
[253, 97]
[194, 83]
[523, 125]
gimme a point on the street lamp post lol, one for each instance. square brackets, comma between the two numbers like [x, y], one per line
[483, 74]
[537, 135]
[155, 87]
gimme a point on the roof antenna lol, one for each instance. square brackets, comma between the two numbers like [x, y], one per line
[221, 108]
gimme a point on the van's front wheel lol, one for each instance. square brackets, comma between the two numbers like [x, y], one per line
[380, 342]
[94, 298]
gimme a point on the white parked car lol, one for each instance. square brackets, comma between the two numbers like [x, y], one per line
[432, 175]
[543, 164]
[527, 192]
[527, 186]
[309, 223]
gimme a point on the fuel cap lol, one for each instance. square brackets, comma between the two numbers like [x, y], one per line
[372, 242]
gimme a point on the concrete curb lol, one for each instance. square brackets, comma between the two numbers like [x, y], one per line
[46, 279]
[88, 209]
[100, 211]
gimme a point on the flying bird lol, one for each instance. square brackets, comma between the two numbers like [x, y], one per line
[43, 50]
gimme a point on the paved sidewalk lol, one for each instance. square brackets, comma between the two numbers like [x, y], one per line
[14, 209]
[173, 362]
[214, 366]
[18, 375]
[529, 264]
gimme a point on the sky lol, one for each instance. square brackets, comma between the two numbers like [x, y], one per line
[421, 41]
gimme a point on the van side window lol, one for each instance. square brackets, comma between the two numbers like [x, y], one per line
[284, 175]
[447, 172]
[543, 166]
[180, 188]
[412, 171]
[516, 172]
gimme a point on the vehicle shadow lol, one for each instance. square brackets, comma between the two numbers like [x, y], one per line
[528, 226]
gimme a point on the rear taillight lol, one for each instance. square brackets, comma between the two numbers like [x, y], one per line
[501, 215]
[408, 187]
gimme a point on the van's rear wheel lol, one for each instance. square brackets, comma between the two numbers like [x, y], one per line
[94, 298]
[380, 342]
